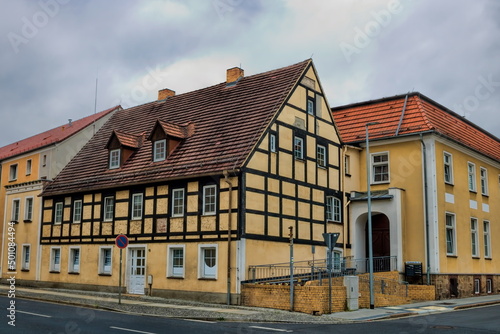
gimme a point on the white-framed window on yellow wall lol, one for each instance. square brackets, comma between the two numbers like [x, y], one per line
[28, 209]
[448, 167]
[380, 167]
[474, 237]
[55, 259]
[105, 260]
[486, 239]
[450, 234]
[471, 174]
[16, 207]
[26, 254]
[175, 261]
[74, 260]
[484, 181]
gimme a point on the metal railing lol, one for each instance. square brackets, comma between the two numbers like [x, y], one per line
[317, 269]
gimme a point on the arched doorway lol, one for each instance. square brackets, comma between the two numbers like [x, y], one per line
[381, 240]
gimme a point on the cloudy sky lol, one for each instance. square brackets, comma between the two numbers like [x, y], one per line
[52, 51]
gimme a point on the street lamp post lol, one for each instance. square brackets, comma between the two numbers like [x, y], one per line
[369, 199]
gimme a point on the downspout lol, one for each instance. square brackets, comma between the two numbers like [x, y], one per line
[229, 226]
[426, 212]
[342, 191]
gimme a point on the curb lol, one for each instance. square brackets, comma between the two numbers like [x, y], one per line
[462, 307]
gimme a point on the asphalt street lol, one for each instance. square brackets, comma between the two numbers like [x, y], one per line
[43, 317]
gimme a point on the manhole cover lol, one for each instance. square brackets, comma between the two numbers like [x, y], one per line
[443, 327]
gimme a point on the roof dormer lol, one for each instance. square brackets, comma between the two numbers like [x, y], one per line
[166, 136]
[121, 146]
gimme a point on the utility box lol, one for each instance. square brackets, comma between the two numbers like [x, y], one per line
[351, 284]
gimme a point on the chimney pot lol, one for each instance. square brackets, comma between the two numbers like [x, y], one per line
[234, 74]
[164, 93]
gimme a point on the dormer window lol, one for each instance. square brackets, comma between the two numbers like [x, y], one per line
[114, 159]
[160, 150]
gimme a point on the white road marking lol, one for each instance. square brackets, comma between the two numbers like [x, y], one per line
[130, 330]
[37, 314]
[272, 329]
[204, 321]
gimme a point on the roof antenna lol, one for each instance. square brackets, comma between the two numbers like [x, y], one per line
[312, 54]
[95, 99]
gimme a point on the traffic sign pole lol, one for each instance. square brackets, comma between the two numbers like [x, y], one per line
[121, 242]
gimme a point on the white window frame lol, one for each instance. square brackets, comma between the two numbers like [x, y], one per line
[471, 174]
[375, 165]
[333, 209]
[321, 155]
[298, 147]
[137, 209]
[448, 162]
[337, 260]
[272, 142]
[477, 286]
[474, 237]
[310, 106]
[29, 164]
[175, 204]
[25, 263]
[102, 260]
[201, 261]
[28, 208]
[209, 200]
[487, 239]
[58, 213]
[160, 150]
[16, 209]
[108, 215]
[453, 230]
[484, 180]
[77, 216]
[13, 172]
[74, 267]
[489, 285]
[114, 158]
[175, 271]
[55, 267]
[347, 164]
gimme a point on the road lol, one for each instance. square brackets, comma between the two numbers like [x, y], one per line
[42, 317]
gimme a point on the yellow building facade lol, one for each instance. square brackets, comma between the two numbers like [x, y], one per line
[201, 195]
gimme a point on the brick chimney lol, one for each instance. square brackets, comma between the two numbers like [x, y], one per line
[234, 74]
[164, 93]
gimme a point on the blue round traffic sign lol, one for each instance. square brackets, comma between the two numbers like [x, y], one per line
[121, 241]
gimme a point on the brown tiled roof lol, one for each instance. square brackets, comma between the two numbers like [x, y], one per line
[421, 115]
[227, 123]
[52, 136]
[180, 131]
[128, 139]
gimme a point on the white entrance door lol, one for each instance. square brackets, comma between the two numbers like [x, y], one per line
[137, 271]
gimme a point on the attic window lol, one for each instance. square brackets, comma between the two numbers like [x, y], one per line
[160, 150]
[114, 159]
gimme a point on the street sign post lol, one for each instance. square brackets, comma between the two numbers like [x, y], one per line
[121, 242]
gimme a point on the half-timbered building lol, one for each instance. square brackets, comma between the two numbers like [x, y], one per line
[204, 184]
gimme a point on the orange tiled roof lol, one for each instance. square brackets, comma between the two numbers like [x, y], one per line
[52, 136]
[220, 125]
[421, 115]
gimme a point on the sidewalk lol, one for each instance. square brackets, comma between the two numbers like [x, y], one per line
[157, 306]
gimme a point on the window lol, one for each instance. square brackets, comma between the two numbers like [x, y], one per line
[137, 206]
[298, 147]
[55, 259]
[450, 234]
[474, 237]
[26, 258]
[209, 199]
[177, 202]
[175, 261]
[489, 285]
[160, 150]
[380, 167]
[272, 142]
[321, 155]
[44, 160]
[28, 167]
[448, 168]
[114, 159]
[472, 176]
[347, 165]
[486, 239]
[58, 213]
[337, 261]
[333, 209]
[310, 106]
[105, 260]
[28, 209]
[13, 172]
[208, 261]
[74, 260]
[484, 181]
[109, 208]
[477, 286]
[77, 211]
[16, 205]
